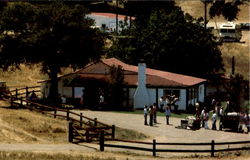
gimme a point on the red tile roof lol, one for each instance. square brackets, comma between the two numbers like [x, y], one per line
[157, 77]
[111, 15]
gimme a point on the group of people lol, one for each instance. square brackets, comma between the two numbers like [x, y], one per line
[216, 112]
[152, 112]
[168, 100]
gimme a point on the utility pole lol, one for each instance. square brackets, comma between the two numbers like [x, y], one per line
[205, 16]
[116, 17]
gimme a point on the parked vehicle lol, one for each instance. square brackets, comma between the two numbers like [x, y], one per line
[235, 121]
[230, 32]
[245, 26]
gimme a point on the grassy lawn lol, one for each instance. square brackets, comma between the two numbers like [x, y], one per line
[180, 115]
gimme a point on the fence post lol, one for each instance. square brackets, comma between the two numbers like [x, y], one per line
[16, 92]
[87, 136]
[67, 114]
[113, 131]
[11, 101]
[70, 132]
[102, 141]
[212, 148]
[27, 93]
[80, 119]
[95, 121]
[154, 147]
[55, 113]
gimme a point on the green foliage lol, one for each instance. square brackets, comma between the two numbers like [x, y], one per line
[170, 41]
[237, 89]
[116, 84]
[228, 9]
[54, 34]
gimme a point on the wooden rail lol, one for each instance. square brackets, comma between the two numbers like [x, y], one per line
[81, 128]
[25, 91]
[154, 145]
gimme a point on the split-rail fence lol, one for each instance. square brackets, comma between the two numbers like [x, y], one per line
[80, 127]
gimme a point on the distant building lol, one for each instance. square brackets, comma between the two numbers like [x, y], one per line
[142, 85]
[107, 21]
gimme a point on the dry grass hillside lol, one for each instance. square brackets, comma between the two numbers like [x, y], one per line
[26, 76]
[24, 126]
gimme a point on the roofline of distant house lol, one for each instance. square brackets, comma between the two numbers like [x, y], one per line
[92, 63]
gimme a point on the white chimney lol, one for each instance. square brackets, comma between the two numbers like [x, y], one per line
[141, 97]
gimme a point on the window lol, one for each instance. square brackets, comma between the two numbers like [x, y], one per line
[171, 92]
[176, 93]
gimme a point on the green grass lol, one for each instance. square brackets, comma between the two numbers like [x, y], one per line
[180, 115]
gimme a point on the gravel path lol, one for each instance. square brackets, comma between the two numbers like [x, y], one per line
[162, 132]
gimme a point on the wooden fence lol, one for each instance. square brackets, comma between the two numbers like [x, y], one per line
[154, 144]
[81, 128]
[24, 92]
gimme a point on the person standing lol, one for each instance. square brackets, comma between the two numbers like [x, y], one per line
[205, 117]
[221, 118]
[155, 112]
[82, 98]
[167, 113]
[214, 117]
[202, 117]
[151, 115]
[145, 110]
[161, 100]
[101, 101]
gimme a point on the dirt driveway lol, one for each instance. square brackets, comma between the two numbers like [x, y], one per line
[162, 132]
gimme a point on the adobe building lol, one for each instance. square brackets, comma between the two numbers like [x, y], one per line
[142, 85]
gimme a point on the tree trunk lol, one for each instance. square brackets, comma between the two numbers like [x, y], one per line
[53, 91]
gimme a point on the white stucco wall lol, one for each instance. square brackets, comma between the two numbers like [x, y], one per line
[160, 93]
[152, 95]
[67, 91]
[201, 93]
[182, 100]
[78, 92]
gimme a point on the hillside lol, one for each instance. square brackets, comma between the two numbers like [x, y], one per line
[24, 126]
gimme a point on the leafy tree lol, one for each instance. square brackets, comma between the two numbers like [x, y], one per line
[143, 8]
[116, 84]
[237, 88]
[228, 9]
[53, 34]
[173, 42]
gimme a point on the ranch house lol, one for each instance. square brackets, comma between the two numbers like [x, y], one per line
[143, 86]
